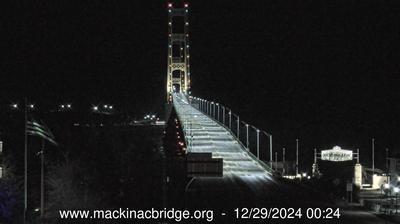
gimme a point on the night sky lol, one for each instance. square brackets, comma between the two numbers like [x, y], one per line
[326, 72]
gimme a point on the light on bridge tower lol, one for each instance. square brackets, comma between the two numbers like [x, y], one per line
[178, 69]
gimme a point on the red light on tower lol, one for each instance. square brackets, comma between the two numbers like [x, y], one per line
[186, 5]
[170, 5]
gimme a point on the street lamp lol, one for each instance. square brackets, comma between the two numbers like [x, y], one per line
[14, 106]
[247, 136]
[95, 108]
[217, 111]
[258, 144]
[212, 109]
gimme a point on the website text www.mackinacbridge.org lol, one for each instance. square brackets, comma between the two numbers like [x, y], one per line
[131, 214]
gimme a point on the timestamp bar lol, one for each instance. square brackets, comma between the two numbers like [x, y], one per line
[287, 213]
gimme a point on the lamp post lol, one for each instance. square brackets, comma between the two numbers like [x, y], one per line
[26, 162]
[387, 161]
[283, 161]
[223, 115]
[230, 119]
[217, 111]
[373, 155]
[247, 136]
[238, 130]
[270, 147]
[212, 112]
[297, 157]
[258, 143]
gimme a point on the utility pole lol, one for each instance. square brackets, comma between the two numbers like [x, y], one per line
[297, 157]
[283, 161]
[42, 191]
[387, 160]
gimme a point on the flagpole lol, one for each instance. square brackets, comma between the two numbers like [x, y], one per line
[42, 182]
[26, 162]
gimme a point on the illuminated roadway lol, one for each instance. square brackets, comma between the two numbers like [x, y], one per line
[203, 134]
[246, 182]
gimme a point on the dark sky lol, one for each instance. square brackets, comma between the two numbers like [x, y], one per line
[326, 72]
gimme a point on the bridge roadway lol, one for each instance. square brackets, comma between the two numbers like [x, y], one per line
[204, 134]
[246, 181]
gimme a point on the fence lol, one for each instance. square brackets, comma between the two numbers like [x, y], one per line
[253, 139]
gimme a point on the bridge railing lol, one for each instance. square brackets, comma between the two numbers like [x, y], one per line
[256, 141]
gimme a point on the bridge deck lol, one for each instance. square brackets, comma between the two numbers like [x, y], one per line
[204, 134]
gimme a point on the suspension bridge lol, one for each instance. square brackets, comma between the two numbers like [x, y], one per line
[211, 127]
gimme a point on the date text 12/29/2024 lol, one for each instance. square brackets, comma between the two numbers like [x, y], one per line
[287, 213]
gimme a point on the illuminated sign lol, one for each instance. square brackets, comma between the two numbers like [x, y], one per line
[336, 154]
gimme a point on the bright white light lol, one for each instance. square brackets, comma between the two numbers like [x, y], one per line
[62, 106]
[169, 5]
[386, 186]
[106, 106]
[396, 190]
[111, 107]
[31, 106]
[304, 174]
[69, 105]
[337, 148]
[15, 105]
[186, 5]
[95, 108]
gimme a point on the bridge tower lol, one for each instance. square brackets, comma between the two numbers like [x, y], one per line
[178, 71]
